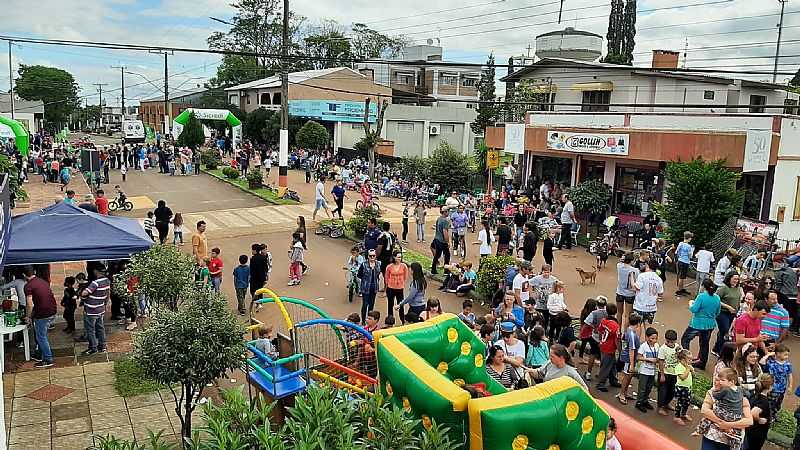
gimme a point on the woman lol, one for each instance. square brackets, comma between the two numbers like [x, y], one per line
[419, 218]
[301, 228]
[722, 267]
[746, 364]
[747, 303]
[725, 358]
[755, 436]
[498, 369]
[395, 279]
[509, 310]
[715, 438]
[560, 365]
[730, 295]
[764, 287]
[416, 295]
[704, 309]
[485, 240]
[432, 309]
[163, 215]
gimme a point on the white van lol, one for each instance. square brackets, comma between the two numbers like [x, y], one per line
[133, 132]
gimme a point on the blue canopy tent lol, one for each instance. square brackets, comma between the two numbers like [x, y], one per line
[63, 233]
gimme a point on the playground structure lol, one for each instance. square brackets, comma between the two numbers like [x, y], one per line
[424, 369]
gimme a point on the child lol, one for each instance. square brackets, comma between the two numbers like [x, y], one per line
[648, 354]
[466, 314]
[555, 304]
[778, 365]
[215, 268]
[630, 344]
[123, 170]
[594, 319]
[149, 225]
[683, 386]
[295, 260]
[468, 279]
[612, 443]
[241, 281]
[585, 332]
[202, 278]
[609, 336]
[728, 400]
[683, 253]
[538, 349]
[547, 250]
[354, 261]
[264, 342]
[177, 229]
[704, 260]
[171, 167]
[666, 366]
[70, 303]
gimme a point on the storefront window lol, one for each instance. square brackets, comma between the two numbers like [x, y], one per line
[592, 170]
[557, 169]
[635, 189]
[753, 187]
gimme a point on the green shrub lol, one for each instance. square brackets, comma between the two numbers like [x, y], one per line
[492, 271]
[230, 172]
[358, 222]
[254, 177]
[210, 159]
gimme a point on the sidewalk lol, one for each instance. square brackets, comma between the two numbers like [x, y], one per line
[41, 195]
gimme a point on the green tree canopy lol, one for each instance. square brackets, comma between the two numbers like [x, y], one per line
[449, 168]
[312, 136]
[700, 197]
[56, 88]
[164, 274]
[591, 196]
[487, 110]
[414, 167]
[621, 32]
[192, 134]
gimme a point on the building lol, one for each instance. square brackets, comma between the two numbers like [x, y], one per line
[448, 85]
[151, 111]
[28, 112]
[628, 146]
[335, 98]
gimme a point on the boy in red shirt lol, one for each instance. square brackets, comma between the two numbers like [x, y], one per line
[101, 202]
[215, 268]
[609, 337]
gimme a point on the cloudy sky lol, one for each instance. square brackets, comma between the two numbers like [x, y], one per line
[730, 34]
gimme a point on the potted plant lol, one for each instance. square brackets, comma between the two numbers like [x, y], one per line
[254, 179]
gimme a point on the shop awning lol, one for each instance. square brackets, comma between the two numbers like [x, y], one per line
[595, 86]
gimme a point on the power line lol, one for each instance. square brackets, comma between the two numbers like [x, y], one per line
[423, 14]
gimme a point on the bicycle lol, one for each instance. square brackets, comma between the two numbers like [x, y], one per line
[333, 229]
[372, 204]
[120, 203]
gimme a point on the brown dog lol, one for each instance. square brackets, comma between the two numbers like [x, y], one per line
[591, 277]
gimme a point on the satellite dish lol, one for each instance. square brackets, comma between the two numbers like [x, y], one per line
[430, 41]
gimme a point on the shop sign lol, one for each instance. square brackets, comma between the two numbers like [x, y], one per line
[756, 151]
[334, 111]
[596, 143]
[514, 138]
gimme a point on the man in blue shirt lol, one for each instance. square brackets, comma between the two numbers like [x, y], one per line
[241, 281]
[372, 234]
[338, 197]
[684, 256]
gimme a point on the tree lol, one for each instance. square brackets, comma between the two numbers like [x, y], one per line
[449, 168]
[795, 81]
[372, 137]
[591, 197]
[367, 43]
[312, 136]
[487, 110]
[256, 127]
[528, 95]
[327, 45]
[700, 197]
[192, 135]
[163, 273]
[414, 168]
[191, 347]
[56, 88]
[237, 69]
[621, 32]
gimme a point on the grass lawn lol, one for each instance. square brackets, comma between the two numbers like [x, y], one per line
[130, 380]
[265, 194]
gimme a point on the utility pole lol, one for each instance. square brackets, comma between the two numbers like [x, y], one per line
[283, 149]
[100, 86]
[166, 89]
[11, 79]
[122, 74]
[778, 45]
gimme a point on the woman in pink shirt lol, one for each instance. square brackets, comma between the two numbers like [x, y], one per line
[395, 278]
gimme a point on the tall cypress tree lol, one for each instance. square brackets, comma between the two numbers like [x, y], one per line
[629, 31]
[621, 32]
[487, 110]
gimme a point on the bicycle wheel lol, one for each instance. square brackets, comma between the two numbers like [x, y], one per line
[319, 231]
[377, 208]
[112, 205]
[128, 206]
[336, 232]
[359, 204]
[351, 289]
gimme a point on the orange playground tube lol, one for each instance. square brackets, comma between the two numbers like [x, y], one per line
[635, 435]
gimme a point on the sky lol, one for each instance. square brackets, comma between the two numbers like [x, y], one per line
[729, 34]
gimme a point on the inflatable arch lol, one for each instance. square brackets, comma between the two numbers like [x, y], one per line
[209, 114]
[21, 137]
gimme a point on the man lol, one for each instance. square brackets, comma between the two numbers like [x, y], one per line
[101, 202]
[567, 220]
[339, 195]
[542, 286]
[41, 309]
[503, 235]
[649, 291]
[747, 327]
[440, 244]
[384, 249]
[258, 271]
[200, 242]
[95, 297]
[508, 173]
[372, 234]
[683, 253]
[786, 286]
[452, 202]
[521, 285]
[529, 242]
[775, 326]
[320, 197]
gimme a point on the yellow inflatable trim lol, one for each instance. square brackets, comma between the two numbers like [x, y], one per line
[427, 375]
[383, 333]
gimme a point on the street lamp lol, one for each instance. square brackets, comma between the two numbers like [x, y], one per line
[220, 21]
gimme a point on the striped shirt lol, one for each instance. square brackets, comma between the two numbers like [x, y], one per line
[776, 321]
[95, 303]
[149, 224]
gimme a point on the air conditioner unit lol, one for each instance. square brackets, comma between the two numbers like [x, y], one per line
[434, 130]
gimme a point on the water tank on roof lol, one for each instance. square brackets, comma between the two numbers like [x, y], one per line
[569, 43]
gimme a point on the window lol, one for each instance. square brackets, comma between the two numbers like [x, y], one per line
[796, 214]
[264, 99]
[247, 98]
[234, 99]
[469, 82]
[708, 95]
[448, 79]
[791, 106]
[470, 105]
[406, 127]
[404, 78]
[447, 128]
[595, 101]
[357, 126]
[755, 103]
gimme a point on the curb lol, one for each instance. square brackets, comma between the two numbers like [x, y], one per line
[222, 179]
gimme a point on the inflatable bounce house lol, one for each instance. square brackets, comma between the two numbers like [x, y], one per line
[424, 368]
